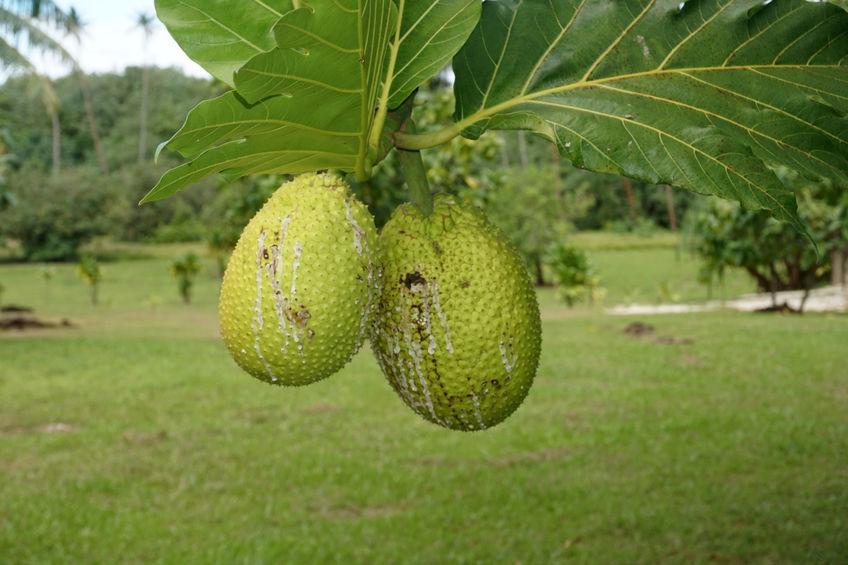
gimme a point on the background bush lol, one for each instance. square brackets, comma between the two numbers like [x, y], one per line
[54, 215]
[725, 235]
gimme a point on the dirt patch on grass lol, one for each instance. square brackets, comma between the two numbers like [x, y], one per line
[691, 361]
[28, 323]
[15, 309]
[321, 408]
[671, 340]
[51, 428]
[353, 512]
[540, 456]
[144, 438]
[21, 319]
[512, 459]
[641, 329]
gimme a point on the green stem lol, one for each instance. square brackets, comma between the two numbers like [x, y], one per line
[383, 102]
[412, 167]
[418, 141]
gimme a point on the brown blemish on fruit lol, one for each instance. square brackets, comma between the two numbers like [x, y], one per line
[300, 316]
[412, 279]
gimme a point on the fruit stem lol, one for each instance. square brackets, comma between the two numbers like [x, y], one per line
[412, 167]
[417, 141]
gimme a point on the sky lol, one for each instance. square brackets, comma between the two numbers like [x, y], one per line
[111, 41]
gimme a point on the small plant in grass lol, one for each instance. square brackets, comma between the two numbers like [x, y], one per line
[574, 276]
[47, 274]
[2, 290]
[185, 270]
[666, 293]
[153, 302]
[89, 271]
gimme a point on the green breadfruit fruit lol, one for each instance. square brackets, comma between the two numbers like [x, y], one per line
[298, 291]
[457, 330]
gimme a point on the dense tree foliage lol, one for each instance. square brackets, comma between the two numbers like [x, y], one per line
[54, 214]
[117, 98]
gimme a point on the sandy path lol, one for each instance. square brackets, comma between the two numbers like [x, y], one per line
[827, 299]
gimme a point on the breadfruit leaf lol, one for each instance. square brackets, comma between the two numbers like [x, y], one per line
[701, 94]
[305, 105]
[218, 37]
[321, 93]
[430, 32]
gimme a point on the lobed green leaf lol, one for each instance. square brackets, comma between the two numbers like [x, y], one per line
[220, 36]
[430, 33]
[307, 104]
[701, 94]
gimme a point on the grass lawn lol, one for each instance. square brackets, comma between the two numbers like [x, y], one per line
[652, 269]
[134, 438]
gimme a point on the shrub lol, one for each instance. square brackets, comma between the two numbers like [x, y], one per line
[184, 225]
[176, 219]
[185, 270]
[53, 216]
[89, 271]
[535, 207]
[574, 276]
[773, 253]
[230, 211]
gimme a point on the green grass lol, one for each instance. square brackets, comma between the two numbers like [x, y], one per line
[649, 269]
[733, 447]
[605, 240]
[659, 276]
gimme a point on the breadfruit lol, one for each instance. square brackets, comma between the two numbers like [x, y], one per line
[457, 330]
[299, 288]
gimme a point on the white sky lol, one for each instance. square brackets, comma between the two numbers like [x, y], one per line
[111, 41]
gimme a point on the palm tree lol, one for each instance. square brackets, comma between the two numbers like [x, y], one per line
[21, 33]
[51, 103]
[6, 198]
[144, 22]
[75, 28]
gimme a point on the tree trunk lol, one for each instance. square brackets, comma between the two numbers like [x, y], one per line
[522, 149]
[540, 274]
[776, 283]
[793, 271]
[629, 196]
[142, 132]
[669, 202]
[804, 300]
[57, 139]
[763, 283]
[92, 121]
[504, 153]
[556, 166]
[809, 280]
[837, 268]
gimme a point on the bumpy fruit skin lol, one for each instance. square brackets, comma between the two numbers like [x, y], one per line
[300, 286]
[457, 330]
